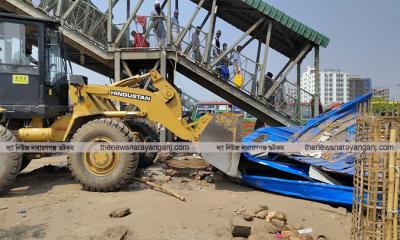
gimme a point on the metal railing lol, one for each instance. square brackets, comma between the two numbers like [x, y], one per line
[283, 102]
[247, 65]
[150, 37]
[85, 18]
[287, 101]
[91, 22]
[188, 102]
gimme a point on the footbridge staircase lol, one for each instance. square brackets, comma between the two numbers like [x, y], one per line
[95, 41]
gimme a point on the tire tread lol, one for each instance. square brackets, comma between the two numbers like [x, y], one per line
[13, 164]
[133, 160]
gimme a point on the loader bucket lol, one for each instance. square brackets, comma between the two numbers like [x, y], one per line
[225, 127]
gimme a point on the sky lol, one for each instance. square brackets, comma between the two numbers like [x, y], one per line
[364, 38]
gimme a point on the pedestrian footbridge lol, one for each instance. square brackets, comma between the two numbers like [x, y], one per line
[95, 41]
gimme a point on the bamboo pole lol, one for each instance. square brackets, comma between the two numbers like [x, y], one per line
[159, 188]
[391, 187]
[396, 196]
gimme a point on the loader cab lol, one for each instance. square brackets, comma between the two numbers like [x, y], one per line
[33, 71]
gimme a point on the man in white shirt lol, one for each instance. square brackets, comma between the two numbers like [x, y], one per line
[158, 18]
[25, 57]
[176, 28]
[216, 44]
[195, 44]
[237, 62]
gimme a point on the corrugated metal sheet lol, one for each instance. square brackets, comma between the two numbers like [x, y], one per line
[326, 178]
[341, 163]
[337, 162]
[289, 22]
[321, 192]
[346, 108]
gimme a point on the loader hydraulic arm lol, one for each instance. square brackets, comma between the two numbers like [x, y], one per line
[162, 104]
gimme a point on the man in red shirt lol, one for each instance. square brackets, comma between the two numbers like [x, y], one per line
[139, 41]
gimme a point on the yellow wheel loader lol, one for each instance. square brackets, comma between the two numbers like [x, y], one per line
[39, 104]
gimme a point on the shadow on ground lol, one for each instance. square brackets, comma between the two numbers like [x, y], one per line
[40, 180]
[22, 232]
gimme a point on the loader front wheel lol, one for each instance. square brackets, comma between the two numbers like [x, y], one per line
[10, 163]
[103, 171]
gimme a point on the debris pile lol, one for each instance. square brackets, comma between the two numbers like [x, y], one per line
[180, 168]
[262, 223]
[157, 173]
[190, 167]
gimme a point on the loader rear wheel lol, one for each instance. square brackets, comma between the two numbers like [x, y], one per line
[146, 134]
[25, 162]
[103, 171]
[10, 163]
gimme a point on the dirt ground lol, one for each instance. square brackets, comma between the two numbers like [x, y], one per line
[48, 204]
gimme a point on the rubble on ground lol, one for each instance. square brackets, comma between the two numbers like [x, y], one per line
[270, 224]
[262, 223]
[185, 167]
[240, 228]
[262, 214]
[120, 213]
[116, 233]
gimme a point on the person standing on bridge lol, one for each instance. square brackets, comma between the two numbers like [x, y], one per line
[268, 83]
[158, 17]
[225, 62]
[217, 44]
[216, 50]
[196, 45]
[237, 62]
[176, 28]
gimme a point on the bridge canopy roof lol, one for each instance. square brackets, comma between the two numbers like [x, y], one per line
[289, 36]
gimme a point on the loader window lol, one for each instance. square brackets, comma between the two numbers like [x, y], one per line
[18, 51]
[55, 64]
